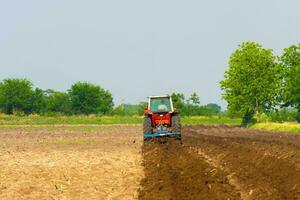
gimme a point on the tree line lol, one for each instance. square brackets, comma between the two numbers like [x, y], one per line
[18, 96]
[258, 83]
[185, 106]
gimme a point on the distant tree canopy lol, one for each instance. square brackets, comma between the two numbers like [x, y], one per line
[87, 98]
[19, 96]
[178, 100]
[253, 80]
[58, 102]
[192, 107]
[129, 109]
[186, 107]
[194, 98]
[16, 96]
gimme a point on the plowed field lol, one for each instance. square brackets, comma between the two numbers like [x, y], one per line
[112, 162]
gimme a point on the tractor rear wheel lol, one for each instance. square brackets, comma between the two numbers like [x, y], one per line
[176, 125]
[147, 125]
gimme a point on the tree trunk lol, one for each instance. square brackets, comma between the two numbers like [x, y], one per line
[256, 105]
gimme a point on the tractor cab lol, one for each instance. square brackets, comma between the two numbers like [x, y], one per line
[161, 119]
[160, 104]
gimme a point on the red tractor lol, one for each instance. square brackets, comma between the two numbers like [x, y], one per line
[161, 119]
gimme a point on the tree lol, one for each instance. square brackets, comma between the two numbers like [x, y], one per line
[126, 109]
[252, 81]
[291, 63]
[178, 100]
[58, 102]
[87, 98]
[195, 99]
[38, 101]
[142, 105]
[213, 109]
[1, 97]
[16, 96]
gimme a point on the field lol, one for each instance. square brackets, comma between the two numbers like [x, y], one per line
[106, 120]
[287, 126]
[112, 162]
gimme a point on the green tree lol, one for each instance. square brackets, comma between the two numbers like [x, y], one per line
[87, 98]
[119, 110]
[194, 98]
[58, 102]
[142, 105]
[291, 62]
[126, 109]
[178, 101]
[1, 97]
[38, 101]
[16, 96]
[215, 108]
[252, 81]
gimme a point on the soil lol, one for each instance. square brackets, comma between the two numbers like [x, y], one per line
[222, 163]
[62, 164]
[113, 162]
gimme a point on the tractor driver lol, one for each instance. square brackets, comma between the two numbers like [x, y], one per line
[162, 106]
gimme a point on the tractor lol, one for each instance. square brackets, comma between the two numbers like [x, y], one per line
[161, 119]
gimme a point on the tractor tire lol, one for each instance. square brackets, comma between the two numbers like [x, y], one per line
[147, 125]
[176, 125]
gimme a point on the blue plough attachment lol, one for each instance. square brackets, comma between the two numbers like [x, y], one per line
[161, 132]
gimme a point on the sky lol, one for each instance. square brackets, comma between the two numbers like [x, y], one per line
[137, 48]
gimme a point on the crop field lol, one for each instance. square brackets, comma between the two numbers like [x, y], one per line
[112, 162]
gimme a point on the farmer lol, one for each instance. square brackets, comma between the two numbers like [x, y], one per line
[162, 106]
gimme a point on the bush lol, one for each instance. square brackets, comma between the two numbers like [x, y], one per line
[283, 115]
[87, 99]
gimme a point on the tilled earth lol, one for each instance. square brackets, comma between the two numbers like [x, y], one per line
[222, 163]
[70, 162]
[112, 162]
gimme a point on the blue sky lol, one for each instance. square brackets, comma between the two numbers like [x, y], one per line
[136, 48]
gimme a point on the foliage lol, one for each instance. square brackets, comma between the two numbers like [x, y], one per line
[253, 80]
[214, 108]
[58, 102]
[178, 101]
[126, 109]
[87, 98]
[39, 101]
[16, 96]
[192, 107]
[283, 115]
[291, 62]
[141, 108]
[130, 109]
[194, 99]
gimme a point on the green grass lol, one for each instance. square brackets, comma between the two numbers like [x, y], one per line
[105, 120]
[287, 127]
[46, 120]
[214, 120]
